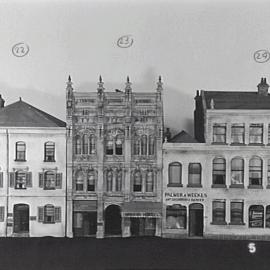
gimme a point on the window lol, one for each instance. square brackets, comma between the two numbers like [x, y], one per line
[269, 134]
[49, 152]
[238, 133]
[20, 151]
[85, 144]
[91, 181]
[20, 180]
[237, 171]
[175, 174]
[78, 145]
[176, 217]
[109, 147]
[194, 175]
[137, 185]
[149, 181]
[49, 180]
[151, 146]
[118, 184]
[109, 180]
[237, 213]
[92, 144]
[219, 171]
[118, 146]
[144, 145]
[255, 171]
[219, 210]
[268, 173]
[219, 133]
[137, 144]
[49, 214]
[256, 133]
[2, 213]
[267, 216]
[79, 181]
[256, 216]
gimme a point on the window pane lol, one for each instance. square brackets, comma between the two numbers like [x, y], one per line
[79, 181]
[137, 144]
[237, 171]
[20, 180]
[219, 133]
[119, 146]
[109, 147]
[20, 151]
[256, 133]
[237, 212]
[176, 217]
[109, 180]
[49, 179]
[218, 211]
[255, 171]
[91, 182]
[194, 174]
[219, 171]
[175, 172]
[238, 133]
[118, 184]
[267, 218]
[137, 186]
[49, 213]
[144, 145]
[49, 151]
[151, 150]
[92, 143]
[256, 216]
[77, 145]
[149, 182]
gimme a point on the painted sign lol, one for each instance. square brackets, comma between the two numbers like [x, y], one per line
[185, 196]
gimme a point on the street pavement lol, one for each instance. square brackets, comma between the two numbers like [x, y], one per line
[132, 253]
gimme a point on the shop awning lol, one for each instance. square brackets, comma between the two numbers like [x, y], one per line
[142, 209]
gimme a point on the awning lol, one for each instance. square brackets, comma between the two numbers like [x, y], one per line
[142, 209]
[85, 205]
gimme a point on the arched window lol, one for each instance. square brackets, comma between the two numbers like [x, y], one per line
[49, 180]
[78, 145]
[119, 146]
[144, 145]
[194, 174]
[91, 181]
[137, 185]
[255, 171]
[20, 151]
[118, 183]
[256, 216]
[109, 180]
[92, 144]
[175, 174]
[137, 144]
[109, 147]
[176, 217]
[151, 146]
[267, 216]
[237, 171]
[49, 213]
[149, 182]
[49, 151]
[79, 181]
[219, 171]
[85, 144]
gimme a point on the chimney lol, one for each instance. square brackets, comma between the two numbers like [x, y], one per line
[168, 134]
[263, 87]
[2, 102]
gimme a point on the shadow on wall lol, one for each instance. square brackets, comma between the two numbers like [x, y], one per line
[51, 104]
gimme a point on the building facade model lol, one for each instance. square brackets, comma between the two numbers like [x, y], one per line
[217, 185]
[33, 172]
[114, 161]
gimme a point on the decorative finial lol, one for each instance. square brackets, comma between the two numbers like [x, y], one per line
[212, 104]
[20, 98]
[100, 86]
[128, 86]
[159, 78]
[100, 79]
[159, 84]
[128, 79]
[69, 78]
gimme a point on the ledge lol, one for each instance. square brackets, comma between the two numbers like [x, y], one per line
[237, 223]
[219, 143]
[174, 185]
[255, 187]
[256, 144]
[218, 223]
[238, 144]
[194, 186]
[236, 186]
[218, 186]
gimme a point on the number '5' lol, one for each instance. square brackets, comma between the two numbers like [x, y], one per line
[252, 247]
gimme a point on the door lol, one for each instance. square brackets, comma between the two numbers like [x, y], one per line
[113, 220]
[135, 226]
[196, 219]
[21, 218]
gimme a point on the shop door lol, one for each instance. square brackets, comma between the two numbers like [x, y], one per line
[21, 218]
[196, 219]
[113, 220]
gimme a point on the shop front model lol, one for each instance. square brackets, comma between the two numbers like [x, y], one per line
[84, 218]
[142, 218]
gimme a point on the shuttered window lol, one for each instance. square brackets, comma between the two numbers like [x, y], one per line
[20, 179]
[49, 214]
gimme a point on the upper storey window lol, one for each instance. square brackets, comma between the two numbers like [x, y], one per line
[49, 151]
[85, 144]
[219, 133]
[114, 146]
[144, 145]
[238, 134]
[175, 174]
[20, 151]
[194, 174]
[256, 133]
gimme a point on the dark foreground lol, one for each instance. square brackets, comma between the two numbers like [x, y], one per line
[131, 253]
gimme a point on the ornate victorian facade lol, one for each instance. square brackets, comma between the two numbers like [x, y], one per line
[114, 161]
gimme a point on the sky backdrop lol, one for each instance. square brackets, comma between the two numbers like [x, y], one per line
[192, 44]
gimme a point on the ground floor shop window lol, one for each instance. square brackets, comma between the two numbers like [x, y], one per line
[176, 217]
[142, 226]
[256, 216]
[84, 223]
[218, 212]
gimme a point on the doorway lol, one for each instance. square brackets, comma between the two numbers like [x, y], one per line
[84, 224]
[113, 220]
[196, 219]
[21, 218]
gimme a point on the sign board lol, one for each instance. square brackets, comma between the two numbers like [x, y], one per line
[185, 196]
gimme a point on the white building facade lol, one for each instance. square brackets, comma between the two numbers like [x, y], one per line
[218, 186]
[33, 172]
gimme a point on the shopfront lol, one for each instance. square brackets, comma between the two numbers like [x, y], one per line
[142, 218]
[84, 218]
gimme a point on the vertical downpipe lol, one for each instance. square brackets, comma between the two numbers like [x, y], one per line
[7, 193]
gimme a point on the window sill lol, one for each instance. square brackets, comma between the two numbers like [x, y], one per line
[20, 160]
[194, 186]
[48, 161]
[255, 187]
[48, 222]
[20, 188]
[174, 185]
[256, 144]
[218, 223]
[238, 144]
[219, 186]
[219, 143]
[48, 188]
[236, 186]
[237, 223]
